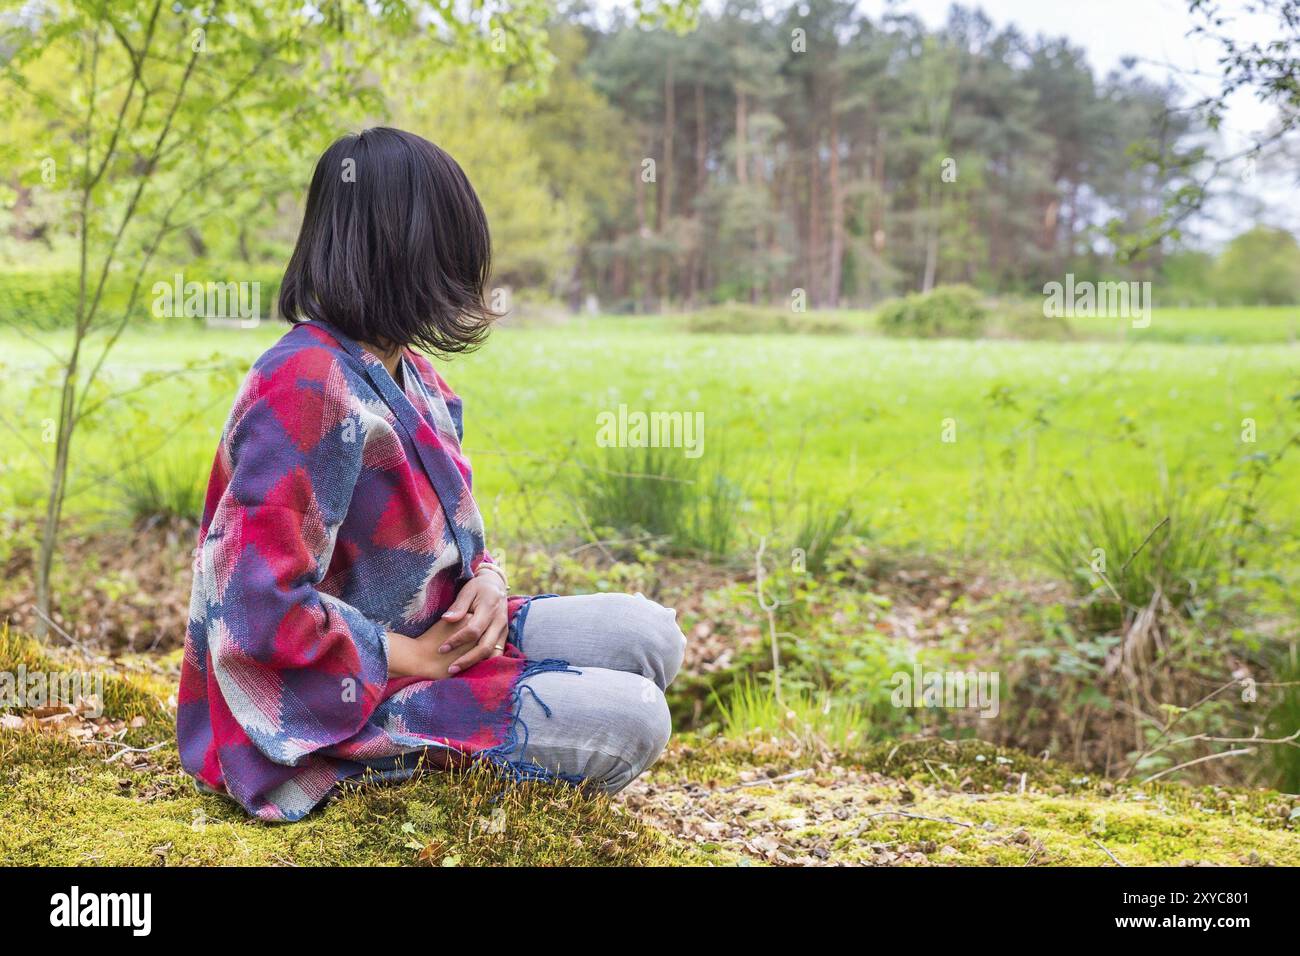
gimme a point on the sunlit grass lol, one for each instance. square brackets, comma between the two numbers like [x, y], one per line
[858, 420]
[808, 719]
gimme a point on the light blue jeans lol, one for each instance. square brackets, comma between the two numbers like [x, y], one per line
[608, 722]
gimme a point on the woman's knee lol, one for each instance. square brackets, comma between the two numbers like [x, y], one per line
[646, 726]
[654, 728]
[657, 643]
[605, 727]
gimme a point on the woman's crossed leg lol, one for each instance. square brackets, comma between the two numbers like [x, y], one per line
[609, 721]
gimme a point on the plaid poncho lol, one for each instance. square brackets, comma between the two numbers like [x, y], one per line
[339, 508]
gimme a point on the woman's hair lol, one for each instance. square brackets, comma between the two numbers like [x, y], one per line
[394, 248]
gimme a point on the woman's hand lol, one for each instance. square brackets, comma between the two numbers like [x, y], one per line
[455, 642]
[481, 611]
[419, 656]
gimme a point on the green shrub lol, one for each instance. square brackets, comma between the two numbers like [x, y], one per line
[1259, 267]
[739, 319]
[164, 489]
[1025, 320]
[951, 311]
[1123, 551]
[44, 301]
[662, 493]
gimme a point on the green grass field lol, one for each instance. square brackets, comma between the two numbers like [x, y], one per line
[1201, 325]
[856, 419]
[1211, 326]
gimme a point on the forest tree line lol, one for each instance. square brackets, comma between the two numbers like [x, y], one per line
[850, 158]
[811, 153]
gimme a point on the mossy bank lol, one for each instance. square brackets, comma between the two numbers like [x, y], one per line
[111, 792]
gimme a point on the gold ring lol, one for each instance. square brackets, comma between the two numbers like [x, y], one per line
[500, 647]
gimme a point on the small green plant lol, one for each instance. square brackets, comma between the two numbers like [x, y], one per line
[823, 525]
[811, 719]
[714, 515]
[1129, 554]
[159, 490]
[952, 311]
[662, 493]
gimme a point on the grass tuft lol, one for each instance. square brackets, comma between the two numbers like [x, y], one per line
[822, 526]
[694, 508]
[1128, 553]
[163, 490]
[815, 721]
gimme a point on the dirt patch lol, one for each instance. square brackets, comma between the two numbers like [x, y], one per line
[116, 591]
[750, 802]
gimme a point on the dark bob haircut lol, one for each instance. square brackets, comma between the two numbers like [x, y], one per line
[394, 248]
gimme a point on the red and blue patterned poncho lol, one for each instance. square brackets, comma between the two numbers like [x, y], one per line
[339, 508]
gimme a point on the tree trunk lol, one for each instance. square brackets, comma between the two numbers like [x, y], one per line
[695, 272]
[878, 237]
[665, 210]
[642, 232]
[933, 223]
[931, 260]
[58, 487]
[701, 140]
[63, 435]
[742, 137]
[835, 256]
[814, 258]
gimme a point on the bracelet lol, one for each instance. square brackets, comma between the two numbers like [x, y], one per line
[501, 574]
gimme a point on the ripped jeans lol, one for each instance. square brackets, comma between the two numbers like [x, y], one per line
[609, 721]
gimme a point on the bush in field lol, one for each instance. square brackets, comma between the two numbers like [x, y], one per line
[739, 319]
[1187, 278]
[1259, 267]
[1126, 552]
[953, 311]
[662, 493]
[1025, 320]
[44, 301]
[163, 489]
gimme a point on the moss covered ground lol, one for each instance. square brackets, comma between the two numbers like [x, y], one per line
[109, 791]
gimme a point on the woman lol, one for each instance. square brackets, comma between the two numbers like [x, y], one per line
[346, 616]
